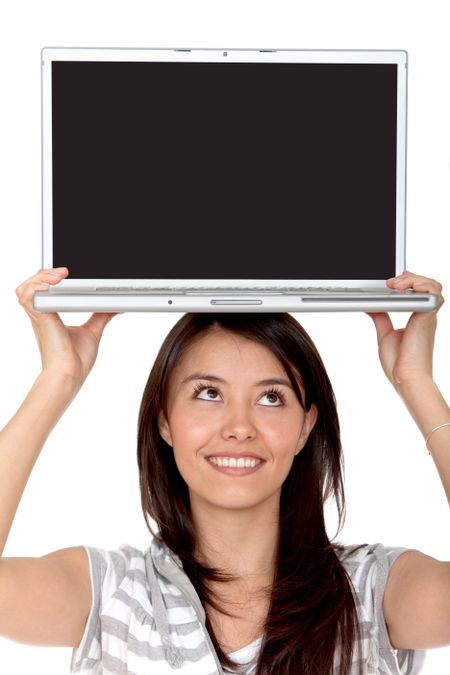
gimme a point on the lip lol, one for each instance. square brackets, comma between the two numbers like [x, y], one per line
[235, 470]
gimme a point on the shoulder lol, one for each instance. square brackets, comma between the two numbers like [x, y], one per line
[132, 602]
[109, 568]
[128, 566]
[369, 567]
[365, 561]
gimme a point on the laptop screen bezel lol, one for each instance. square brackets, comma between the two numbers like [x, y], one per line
[50, 54]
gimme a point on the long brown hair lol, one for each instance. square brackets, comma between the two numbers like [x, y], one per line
[312, 607]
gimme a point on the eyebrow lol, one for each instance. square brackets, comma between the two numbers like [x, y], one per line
[214, 378]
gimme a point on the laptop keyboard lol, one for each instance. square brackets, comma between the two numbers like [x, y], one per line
[213, 289]
[240, 290]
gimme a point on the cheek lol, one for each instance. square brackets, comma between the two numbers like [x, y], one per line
[190, 429]
[284, 432]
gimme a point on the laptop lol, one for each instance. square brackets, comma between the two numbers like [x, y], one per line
[231, 180]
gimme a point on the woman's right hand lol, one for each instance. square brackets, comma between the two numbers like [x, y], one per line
[68, 351]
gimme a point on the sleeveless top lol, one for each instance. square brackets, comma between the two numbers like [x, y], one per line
[146, 617]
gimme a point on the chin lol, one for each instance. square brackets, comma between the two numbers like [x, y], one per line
[231, 501]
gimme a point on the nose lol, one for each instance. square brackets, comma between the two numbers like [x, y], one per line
[238, 423]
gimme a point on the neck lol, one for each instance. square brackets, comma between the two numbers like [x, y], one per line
[242, 542]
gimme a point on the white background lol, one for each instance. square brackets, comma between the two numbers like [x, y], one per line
[84, 488]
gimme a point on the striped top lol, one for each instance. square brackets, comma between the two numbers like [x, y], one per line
[146, 617]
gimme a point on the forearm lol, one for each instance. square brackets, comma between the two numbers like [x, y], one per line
[429, 409]
[22, 439]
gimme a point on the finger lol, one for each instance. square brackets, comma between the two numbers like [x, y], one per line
[50, 277]
[25, 295]
[39, 282]
[97, 322]
[59, 272]
[419, 284]
[429, 285]
[410, 280]
[383, 324]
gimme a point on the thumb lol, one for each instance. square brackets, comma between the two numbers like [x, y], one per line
[97, 322]
[383, 324]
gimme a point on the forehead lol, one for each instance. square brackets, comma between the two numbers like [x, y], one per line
[225, 351]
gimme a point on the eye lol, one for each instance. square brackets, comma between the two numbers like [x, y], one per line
[273, 395]
[208, 393]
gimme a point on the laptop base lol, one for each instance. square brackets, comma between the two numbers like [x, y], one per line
[199, 301]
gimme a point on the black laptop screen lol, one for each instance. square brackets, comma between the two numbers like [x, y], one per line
[224, 170]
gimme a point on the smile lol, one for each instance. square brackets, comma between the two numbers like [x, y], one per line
[235, 462]
[235, 467]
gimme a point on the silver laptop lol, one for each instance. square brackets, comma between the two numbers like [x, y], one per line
[224, 180]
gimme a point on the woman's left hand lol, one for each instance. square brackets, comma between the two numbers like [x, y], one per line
[406, 354]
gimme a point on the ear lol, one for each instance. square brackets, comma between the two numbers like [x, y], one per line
[310, 419]
[308, 425]
[164, 429]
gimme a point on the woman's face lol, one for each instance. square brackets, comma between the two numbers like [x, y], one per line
[230, 396]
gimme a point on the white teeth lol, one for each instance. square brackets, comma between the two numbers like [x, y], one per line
[242, 462]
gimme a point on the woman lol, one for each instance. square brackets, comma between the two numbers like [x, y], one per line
[238, 449]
